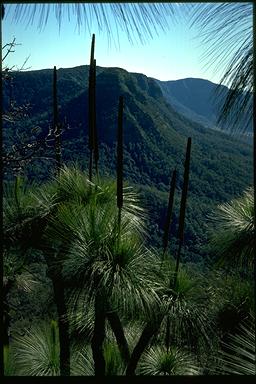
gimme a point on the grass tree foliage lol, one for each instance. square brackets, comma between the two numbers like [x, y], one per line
[237, 355]
[234, 237]
[135, 282]
[106, 256]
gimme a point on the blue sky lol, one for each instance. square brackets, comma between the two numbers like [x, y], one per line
[171, 55]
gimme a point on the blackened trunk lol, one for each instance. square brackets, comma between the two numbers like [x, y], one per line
[117, 328]
[149, 331]
[59, 296]
[91, 107]
[95, 135]
[167, 334]
[55, 274]
[169, 212]
[184, 192]
[119, 170]
[98, 336]
[183, 207]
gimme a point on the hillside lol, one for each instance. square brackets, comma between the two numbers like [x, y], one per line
[155, 136]
[199, 100]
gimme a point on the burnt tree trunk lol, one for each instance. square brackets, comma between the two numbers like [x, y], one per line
[117, 328]
[149, 331]
[98, 336]
[60, 301]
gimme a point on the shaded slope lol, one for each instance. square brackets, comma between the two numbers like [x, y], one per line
[197, 99]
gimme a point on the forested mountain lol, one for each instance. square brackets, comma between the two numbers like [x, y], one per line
[199, 100]
[155, 136]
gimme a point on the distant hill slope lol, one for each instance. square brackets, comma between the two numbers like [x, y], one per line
[198, 100]
[155, 137]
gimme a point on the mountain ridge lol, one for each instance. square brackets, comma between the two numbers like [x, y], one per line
[200, 107]
[155, 136]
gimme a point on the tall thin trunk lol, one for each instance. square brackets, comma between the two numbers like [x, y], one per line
[169, 213]
[180, 233]
[95, 135]
[91, 107]
[183, 207]
[98, 336]
[55, 273]
[165, 244]
[64, 340]
[167, 334]
[148, 332]
[117, 328]
[119, 166]
[56, 124]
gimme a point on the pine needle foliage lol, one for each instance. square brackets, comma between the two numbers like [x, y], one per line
[186, 306]
[24, 215]
[140, 21]
[229, 24]
[99, 259]
[37, 353]
[233, 241]
[238, 358]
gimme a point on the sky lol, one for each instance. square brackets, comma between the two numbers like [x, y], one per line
[170, 55]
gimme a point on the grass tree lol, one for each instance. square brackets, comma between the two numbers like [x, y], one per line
[219, 25]
[158, 362]
[17, 206]
[71, 190]
[180, 229]
[26, 226]
[107, 257]
[152, 326]
[37, 353]
[186, 306]
[15, 275]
